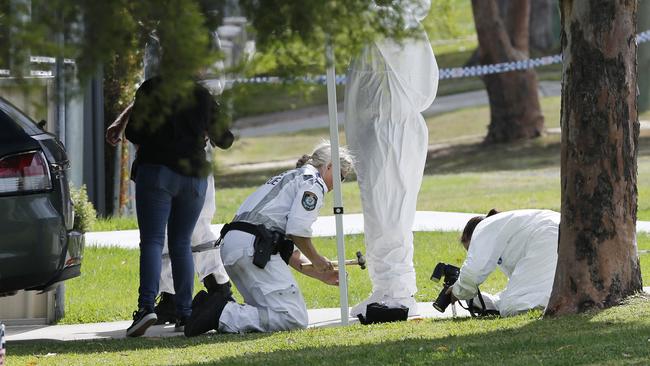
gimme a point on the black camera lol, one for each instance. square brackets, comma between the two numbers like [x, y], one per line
[450, 274]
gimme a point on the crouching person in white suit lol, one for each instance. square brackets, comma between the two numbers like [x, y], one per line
[258, 245]
[523, 244]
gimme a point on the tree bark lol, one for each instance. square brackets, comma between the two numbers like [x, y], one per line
[598, 263]
[515, 112]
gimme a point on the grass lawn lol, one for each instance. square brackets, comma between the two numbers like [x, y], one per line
[107, 289]
[619, 335]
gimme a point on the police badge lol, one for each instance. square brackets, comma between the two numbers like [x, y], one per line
[309, 201]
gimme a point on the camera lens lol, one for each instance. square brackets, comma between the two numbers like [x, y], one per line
[442, 301]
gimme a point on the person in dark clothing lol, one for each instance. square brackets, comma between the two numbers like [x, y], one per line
[171, 178]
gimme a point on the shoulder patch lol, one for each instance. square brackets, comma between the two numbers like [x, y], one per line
[309, 201]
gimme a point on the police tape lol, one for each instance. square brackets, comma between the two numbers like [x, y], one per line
[448, 73]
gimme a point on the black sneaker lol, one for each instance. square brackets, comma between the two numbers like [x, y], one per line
[225, 289]
[142, 319]
[180, 325]
[206, 311]
[165, 309]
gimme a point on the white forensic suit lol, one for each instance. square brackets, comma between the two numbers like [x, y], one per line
[288, 203]
[523, 244]
[388, 86]
[206, 262]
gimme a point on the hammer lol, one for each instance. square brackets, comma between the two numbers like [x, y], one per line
[361, 261]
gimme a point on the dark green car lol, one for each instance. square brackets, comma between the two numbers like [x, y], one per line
[38, 247]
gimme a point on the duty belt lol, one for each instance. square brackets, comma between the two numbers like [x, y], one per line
[267, 242]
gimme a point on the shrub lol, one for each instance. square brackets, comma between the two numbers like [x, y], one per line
[84, 211]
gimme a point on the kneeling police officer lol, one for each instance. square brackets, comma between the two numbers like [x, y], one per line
[259, 243]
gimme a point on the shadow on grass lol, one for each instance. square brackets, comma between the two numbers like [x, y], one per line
[555, 341]
[477, 157]
[539, 153]
[245, 179]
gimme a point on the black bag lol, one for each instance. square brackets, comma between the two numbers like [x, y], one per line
[380, 313]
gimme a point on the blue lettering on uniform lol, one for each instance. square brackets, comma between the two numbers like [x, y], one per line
[273, 181]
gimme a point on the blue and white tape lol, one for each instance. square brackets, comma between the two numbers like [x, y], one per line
[449, 73]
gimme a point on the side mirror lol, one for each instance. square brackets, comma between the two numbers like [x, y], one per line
[41, 124]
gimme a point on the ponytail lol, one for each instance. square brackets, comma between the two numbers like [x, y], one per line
[302, 161]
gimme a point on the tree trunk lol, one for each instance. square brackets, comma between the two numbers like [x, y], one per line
[515, 112]
[598, 263]
[541, 24]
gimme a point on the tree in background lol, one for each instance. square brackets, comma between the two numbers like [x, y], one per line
[598, 263]
[644, 57]
[122, 75]
[542, 15]
[515, 112]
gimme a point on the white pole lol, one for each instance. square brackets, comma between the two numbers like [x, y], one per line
[336, 177]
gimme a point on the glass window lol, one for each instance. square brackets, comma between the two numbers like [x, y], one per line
[26, 123]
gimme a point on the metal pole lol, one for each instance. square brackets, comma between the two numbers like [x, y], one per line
[336, 177]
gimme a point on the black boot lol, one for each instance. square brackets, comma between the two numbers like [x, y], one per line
[206, 311]
[213, 287]
[166, 309]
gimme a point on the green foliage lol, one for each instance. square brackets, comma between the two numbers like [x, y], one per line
[449, 19]
[292, 34]
[84, 211]
[95, 32]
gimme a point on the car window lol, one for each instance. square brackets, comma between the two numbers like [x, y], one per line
[19, 117]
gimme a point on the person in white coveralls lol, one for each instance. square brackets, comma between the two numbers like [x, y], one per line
[258, 248]
[388, 86]
[523, 245]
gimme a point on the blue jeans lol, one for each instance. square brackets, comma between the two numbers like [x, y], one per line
[166, 199]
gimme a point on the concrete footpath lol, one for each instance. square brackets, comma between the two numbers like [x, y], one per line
[324, 226]
[117, 330]
[317, 117]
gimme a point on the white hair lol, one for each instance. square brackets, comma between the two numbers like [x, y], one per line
[322, 155]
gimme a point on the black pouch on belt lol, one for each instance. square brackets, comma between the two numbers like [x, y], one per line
[263, 247]
[283, 246]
